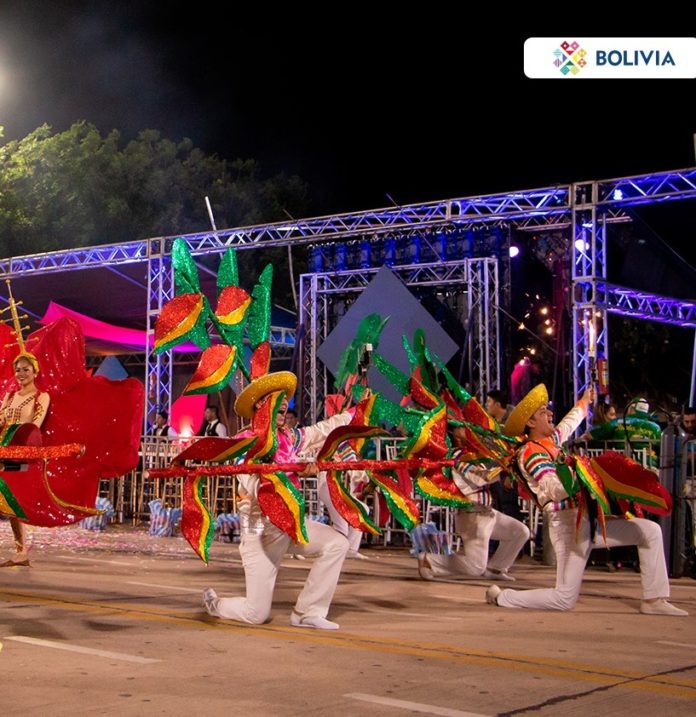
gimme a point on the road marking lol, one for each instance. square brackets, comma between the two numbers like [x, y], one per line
[83, 650]
[167, 587]
[412, 706]
[676, 686]
[71, 558]
[416, 614]
[675, 644]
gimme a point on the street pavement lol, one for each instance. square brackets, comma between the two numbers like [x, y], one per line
[113, 624]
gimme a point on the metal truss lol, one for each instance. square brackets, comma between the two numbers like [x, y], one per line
[595, 205]
[477, 278]
[588, 206]
[646, 188]
[637, 304]
[72, 259]
[158, 367]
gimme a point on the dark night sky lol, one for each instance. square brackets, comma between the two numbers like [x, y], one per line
[410, 105]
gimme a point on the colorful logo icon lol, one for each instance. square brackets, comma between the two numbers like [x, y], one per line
[569, 58]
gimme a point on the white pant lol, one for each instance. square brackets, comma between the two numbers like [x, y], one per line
[572, 555]
[477, 530]
[261, 556]
[339, 523]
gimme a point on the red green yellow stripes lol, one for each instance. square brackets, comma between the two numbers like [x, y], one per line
[344, 433]
[421, 395]
[263, 425]
[425, 430]
[449, 496]
[593, 482]
[633, 493]
[177, 318]
[9, 505]
[283, 505]
[403, 508]
[349, 508]
[196, 524]
[8, 434]
[363, 417]
[214, 370]
[233, 304]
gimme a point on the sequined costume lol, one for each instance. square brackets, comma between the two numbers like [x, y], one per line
[263, 545]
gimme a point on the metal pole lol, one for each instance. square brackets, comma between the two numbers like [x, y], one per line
[692, 392]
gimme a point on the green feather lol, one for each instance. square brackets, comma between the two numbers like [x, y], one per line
[228, 274]
[185, 271]
[259, 324]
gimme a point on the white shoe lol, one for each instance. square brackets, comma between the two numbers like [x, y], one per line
[320, 623]
[492, 594]
[425, 571]
[210, 600]
[498, 575]
[355, 555]
[661, 607]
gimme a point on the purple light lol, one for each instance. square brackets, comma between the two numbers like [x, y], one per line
[514, 251]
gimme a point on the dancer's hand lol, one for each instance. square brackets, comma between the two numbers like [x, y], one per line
[310, 469]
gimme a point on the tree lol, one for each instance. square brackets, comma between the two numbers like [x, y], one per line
[79, 188]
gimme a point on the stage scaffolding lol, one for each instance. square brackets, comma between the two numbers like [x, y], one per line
[475, 280]
[475, 268]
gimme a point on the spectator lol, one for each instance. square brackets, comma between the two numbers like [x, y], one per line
[162, 427]
[688, 423]
[212, 426]
[497, 406]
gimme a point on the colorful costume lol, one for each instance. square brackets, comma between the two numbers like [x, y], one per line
[65, 492]
[263, 546]
[541, 463]
[477, 527]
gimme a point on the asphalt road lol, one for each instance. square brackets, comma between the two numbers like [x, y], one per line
[113, 624]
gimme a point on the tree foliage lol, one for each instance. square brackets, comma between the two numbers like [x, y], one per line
[79, 188]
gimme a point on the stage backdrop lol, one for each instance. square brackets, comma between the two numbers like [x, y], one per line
[386, 295]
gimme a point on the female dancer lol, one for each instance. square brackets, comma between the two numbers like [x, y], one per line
[26, 405]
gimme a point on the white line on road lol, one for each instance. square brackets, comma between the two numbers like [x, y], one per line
[84, 650]
[423, 614]
[675, 644]
[167, 587]
[412, 706]
[94, 560]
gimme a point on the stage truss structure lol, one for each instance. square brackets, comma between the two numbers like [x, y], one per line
[584, 209]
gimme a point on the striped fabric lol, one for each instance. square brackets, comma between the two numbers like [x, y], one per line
[537, 459]
[99, 522]
[471, 479]
[163, 521]
[426, 538]
[227, 527]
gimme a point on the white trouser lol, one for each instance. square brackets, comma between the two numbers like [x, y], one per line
[339, 523]
[261, 556]
[476, 531]
[572, 555]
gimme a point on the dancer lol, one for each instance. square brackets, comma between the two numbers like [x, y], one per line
[263, 545]
[25, 405]
[477, 527]
[541, 460]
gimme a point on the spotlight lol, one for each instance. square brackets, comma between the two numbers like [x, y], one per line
[514, 251]
[618, 195]
[582, 245]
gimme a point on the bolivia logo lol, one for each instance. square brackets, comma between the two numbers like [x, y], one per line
[569, 58]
